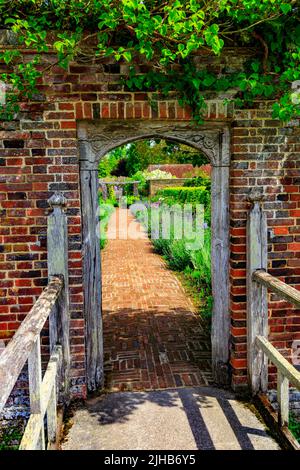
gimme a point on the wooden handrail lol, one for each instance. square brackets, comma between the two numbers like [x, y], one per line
[259, 349]
[280, 288]
[286, 374]
[15, 355]
[282, 364]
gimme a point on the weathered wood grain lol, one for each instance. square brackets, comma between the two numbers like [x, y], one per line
[15, 355]
[277, 286]
[31, 436]
[35, 383]
[282, 364]
[59, 321]
[92, 279]
[257, 302]
[220, 333]
[52, 418]
[283, 399]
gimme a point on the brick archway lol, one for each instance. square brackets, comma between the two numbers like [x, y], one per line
[96, 138]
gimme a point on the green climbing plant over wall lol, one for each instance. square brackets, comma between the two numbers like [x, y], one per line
[166, 33]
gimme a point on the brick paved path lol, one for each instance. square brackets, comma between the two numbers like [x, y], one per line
[152, 336]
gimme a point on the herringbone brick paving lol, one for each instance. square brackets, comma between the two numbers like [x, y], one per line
[152, 334]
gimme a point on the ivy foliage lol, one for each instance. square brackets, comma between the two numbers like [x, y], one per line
[166, 33]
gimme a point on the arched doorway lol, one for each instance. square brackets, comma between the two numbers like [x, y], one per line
[95, 140]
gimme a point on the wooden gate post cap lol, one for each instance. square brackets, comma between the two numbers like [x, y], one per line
[256, 194]
[57, 199]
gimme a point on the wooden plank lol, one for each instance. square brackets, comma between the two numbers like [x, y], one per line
[277, 286]
[15, 355]
[31, 435]
[220, 252]
[49, 382]
[92, 279]
[35, 382]
[36, 421]
[257, 302]
[282, 364]
[52, 417]
[57, 245]
[283, 399]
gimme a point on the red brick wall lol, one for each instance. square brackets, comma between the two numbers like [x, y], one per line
[264, 153]
[39, 155]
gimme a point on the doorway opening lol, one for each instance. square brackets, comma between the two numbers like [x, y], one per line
[96, 139]
[155, 226]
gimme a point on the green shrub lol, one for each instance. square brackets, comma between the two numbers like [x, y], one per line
[129, 200]
[185, 195]
[201, 259]
[106, 210]
[194, 264]
[294, 427]
[203, 180]
[180, 257]
[111, 198]
[162, 246]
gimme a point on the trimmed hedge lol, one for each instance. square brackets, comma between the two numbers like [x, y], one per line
[199, 181]
[187, 195]
[184, 195]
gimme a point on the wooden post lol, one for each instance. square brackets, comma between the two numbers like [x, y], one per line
[92, 278]
[220, 331]
[136, 189]
[283, 399]
[57, 239]
[257, 302]
[104, 190]
[35, 383]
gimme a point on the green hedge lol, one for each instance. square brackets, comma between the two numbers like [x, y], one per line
[187, 195]
[184, 195]
[199, 181]
[106, 210]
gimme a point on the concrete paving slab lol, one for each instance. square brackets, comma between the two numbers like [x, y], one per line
[177, 419]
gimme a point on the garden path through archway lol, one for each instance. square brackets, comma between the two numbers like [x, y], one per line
[97, 138]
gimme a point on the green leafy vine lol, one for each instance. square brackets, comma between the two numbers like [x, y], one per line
[168, 35]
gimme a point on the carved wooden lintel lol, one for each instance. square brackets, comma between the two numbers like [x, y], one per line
[98, 137]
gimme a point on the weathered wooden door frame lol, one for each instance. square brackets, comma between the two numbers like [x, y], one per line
[96, 138]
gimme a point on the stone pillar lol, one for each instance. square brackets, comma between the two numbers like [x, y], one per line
[104, 190]
[136, 188]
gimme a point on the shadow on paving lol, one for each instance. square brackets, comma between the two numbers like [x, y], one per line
[155, 348]
[193, 418]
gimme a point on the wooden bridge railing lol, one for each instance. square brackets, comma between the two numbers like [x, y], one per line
[259, 281]
[52, 304]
